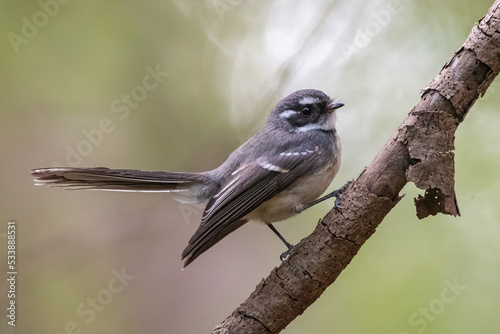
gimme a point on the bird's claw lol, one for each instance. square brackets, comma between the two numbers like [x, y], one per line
[337, 204]
[338, 194]
[285, 254]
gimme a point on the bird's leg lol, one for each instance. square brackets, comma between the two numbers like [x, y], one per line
[287, 244]
[336, 193]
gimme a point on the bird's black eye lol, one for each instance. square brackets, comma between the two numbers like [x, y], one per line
[306, 111]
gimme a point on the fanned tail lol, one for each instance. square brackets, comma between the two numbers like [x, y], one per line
[101, 178]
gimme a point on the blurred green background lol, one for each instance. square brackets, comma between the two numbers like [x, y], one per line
[67, 71]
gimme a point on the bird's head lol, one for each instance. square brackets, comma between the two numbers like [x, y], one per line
[305, 110]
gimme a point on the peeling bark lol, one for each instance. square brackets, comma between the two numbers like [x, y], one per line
[419, 151]
[430, 138]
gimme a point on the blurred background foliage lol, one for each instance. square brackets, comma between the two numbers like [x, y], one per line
[228, 63]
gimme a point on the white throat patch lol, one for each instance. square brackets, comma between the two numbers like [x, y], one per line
[327, 124]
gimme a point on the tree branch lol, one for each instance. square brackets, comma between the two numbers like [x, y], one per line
[419, 151]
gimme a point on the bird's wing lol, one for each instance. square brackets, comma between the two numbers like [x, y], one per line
[249, 186]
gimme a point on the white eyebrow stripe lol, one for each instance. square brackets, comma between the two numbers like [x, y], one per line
[308, 100]
[287, 113]
[274, 168]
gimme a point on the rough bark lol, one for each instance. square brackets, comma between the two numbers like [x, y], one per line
[419, 151]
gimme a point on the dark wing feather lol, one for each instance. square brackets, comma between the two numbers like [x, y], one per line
[248, 187]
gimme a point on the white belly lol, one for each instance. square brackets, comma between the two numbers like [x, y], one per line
[290, 201]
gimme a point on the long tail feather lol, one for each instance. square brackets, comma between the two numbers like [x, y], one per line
[101, 178]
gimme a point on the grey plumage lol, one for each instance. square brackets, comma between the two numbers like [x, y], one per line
[271, 177]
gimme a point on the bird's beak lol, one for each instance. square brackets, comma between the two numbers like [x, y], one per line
[334, 106]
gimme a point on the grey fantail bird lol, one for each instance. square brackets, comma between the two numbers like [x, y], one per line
[276, 174]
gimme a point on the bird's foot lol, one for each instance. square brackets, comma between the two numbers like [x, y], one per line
[285, 254]
[336, 193]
